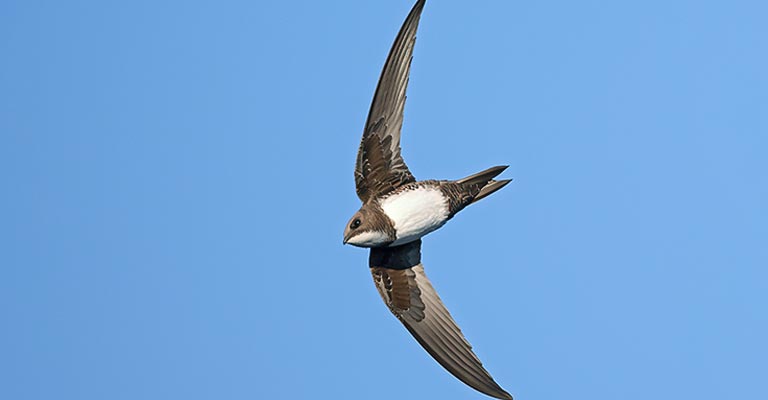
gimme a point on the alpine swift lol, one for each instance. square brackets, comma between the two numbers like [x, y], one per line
[398, 211]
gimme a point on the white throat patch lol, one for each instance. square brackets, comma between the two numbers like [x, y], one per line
[416, 212]
[369, 239]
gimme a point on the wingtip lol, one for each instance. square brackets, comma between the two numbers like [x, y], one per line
[500, 394]
[497, 392]
[418, 7]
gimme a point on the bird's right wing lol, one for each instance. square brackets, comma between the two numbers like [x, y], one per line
[399, 276]
[380, 167]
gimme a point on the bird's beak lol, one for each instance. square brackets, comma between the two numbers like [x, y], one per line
[344, 241]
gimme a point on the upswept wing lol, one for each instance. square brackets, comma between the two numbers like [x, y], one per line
[399, 276]
[380, 167]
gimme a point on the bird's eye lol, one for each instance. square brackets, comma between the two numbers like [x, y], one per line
[355, 223]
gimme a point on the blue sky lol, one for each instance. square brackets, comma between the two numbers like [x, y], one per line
[176, 177]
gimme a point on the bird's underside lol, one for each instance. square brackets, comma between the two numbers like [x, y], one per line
[397, 270]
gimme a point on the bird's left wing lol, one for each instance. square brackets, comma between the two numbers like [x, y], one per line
[399, 276]
[380, 167]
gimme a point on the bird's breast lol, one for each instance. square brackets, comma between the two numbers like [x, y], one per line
[416, 212]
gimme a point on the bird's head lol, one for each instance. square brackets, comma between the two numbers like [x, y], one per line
[369, 227]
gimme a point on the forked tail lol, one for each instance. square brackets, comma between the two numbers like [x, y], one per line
[483, 181]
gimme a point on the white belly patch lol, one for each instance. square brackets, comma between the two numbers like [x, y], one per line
[416, 213]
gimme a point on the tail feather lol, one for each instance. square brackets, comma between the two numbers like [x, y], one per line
[491, 187]
[482, 177]
[466, 191]
[482, 184]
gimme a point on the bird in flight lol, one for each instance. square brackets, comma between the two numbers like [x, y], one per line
[398, 211]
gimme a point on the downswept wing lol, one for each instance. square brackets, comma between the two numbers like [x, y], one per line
[380, 167]
[399, 276]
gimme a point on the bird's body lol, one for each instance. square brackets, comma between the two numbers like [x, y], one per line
[415, 211]
[398, 211]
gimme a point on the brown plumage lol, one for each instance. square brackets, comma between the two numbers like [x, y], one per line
[380, 167]
[400, 279]
[468, 190]
[399, 209]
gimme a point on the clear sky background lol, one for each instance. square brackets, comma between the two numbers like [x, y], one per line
[176, 176]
